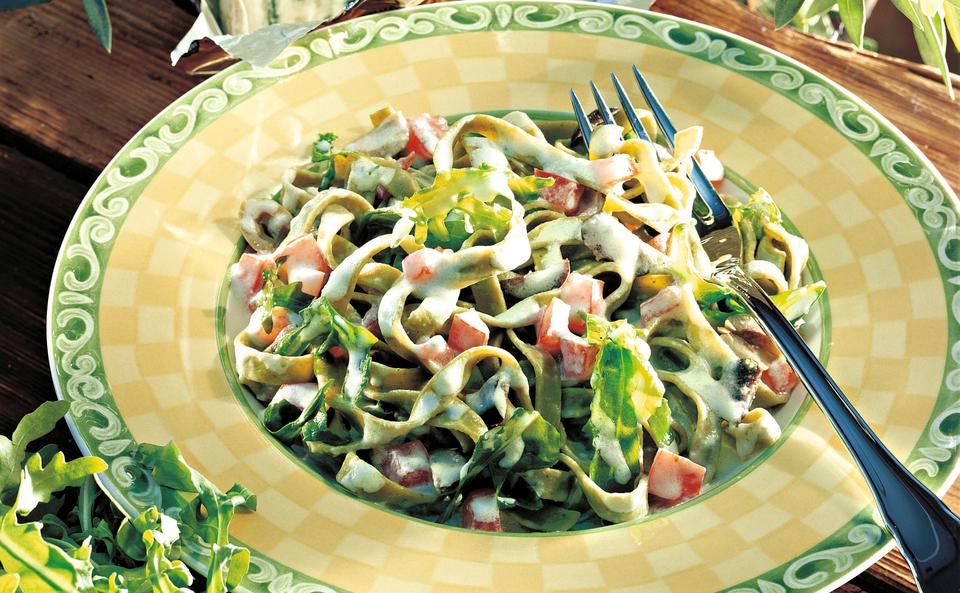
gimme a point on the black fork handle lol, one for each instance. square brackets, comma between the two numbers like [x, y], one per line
[927, 532]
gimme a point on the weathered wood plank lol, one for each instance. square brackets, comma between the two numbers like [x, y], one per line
[62, 94]
[910, 95]
[40, 202]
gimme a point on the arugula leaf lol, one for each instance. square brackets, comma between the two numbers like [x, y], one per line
[322, 155]
[9, 583]
[658, 424]
[527, 189]
[39, 483]
[549, 518]
[314, 324]
[627, 393]
[34, 425]
[523, 442]
[208, 515]
[41, 566]
[277, 294]
[357, 341]
[275, 415]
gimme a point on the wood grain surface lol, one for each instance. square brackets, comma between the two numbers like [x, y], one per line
[66, 107]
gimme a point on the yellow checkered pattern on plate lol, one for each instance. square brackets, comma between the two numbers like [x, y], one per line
[159, 343]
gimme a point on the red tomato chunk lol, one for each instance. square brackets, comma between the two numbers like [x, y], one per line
[582, 293]
[553, 326]
[468, 331]
[674, 478]
[425, 131]
[407, 464]
[780, 376]
[481, 511]
[565, 193]
[577, 357]
[421, 265]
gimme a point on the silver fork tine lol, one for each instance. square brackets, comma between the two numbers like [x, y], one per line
[656, 107]
[582, 121]
[629, 110]
[601, 104]
[719, 215]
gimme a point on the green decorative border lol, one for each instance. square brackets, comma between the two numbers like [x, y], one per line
[73, 339]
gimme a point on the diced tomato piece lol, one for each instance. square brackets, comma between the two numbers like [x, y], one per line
[301, 261]
[468, 331]
[711, 166]
[435, 350]
[674, 478]
[421, 265]
[425, 132]
[577, 358]
[780, 376]
[298, 394]
[660, 304]
[582, 293]
[280, 317]
[565, 193]
[302, 252]
[247, 276]
[481, 511]
[613, 170]
[553, 325]
[407, 464]
[406, 161]
[338, 353]
[312, 281]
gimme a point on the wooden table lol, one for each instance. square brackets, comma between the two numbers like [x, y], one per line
[66, 107]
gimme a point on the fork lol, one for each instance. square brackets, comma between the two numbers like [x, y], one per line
[927, 532]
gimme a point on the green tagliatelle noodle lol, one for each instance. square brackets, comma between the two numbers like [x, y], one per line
[482, 325]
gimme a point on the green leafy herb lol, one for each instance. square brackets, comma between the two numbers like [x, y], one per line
[208, 515]
[471, 194]
[523, 442]
[40, 483]
[549, 518]
[357, 341]
[322, 156]
[31, 427]
[114, 554]
[658, 425]
[276, 417]
[627, 393]
[277, 294]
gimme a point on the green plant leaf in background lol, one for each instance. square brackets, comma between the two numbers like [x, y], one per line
[851, 13]
[99, 20]
[930, 32]
[951, 15]
[785, 10]
[10, 5]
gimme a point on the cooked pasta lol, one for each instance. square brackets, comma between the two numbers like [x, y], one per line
[484, 328]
